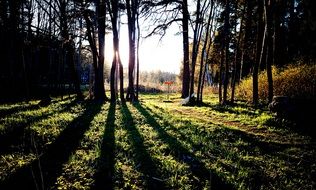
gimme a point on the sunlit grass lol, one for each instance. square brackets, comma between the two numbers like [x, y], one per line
[161, 144]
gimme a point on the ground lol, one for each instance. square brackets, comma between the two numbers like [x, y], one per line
[152, 144]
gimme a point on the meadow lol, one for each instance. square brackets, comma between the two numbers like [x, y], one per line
[151, 144]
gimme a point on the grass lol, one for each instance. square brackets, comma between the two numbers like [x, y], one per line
[151, 145]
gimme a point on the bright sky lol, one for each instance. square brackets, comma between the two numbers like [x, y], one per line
[164, 55]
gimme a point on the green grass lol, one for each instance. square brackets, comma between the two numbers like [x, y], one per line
[151, 145]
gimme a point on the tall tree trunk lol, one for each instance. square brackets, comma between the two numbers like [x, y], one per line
[121, 79]
[227, 40]
[237, 63]
[114, 64]
[197, 33]
[259, 52]
[99, 83]
[186, 62]
[131, 17]
[137, 49]
[270, 53]
[220, 80]
[245, 64]
[204, 56]
[116, 58]
[91, 40]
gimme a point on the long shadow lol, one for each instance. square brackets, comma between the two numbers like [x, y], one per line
[105, 171]
[13, 139]
[230, 109]
[252, 142]
[28, 107]
[265, 147]
[43, 172]
[6, 112]
[197, 168]
[181, 133]
[146, 165]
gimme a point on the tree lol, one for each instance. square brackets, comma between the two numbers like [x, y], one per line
[99, 70]
[268, 9]
[132, 12]
[226, 41]
[207, 41]
[114, 7]
[185, 43]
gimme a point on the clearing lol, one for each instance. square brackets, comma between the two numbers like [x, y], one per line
[151, 145]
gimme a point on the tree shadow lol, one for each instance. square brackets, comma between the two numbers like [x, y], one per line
[105, 171]
[265, 147]
[180, 153]
[28, 107]
[17, 138]
[143, 159]
[230, 109]
[42, 173]
[6, 112]
[235, 145]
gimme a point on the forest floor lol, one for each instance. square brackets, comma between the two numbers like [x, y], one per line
[152, 144]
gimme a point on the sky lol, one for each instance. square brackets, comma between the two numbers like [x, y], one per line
[155, 54]
[164, 54]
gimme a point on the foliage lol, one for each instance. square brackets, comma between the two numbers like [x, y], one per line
[296, 81]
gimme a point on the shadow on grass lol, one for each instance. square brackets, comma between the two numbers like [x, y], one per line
[197, 168]
[230, 109]
[17, 137]
[43, 172]
[6, 112]
[234, 145]
[146, 165]
[105, 171]
[27, 107]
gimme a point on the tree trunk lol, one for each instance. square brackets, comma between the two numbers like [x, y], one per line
[131, 17]
[196, 43]
[99, 83]
[186, 62]
[259, 52]
[270, 53]
[245, 65]
[226, 33]
[116, 58]
[220, 80]
[237, 53]
[91, 39]
[204, 56]
[137, 49]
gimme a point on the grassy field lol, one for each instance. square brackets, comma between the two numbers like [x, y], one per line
[151, 145]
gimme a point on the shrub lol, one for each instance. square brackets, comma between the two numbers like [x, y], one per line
[295, 81]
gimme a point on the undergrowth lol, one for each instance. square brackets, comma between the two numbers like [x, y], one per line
[295, 81]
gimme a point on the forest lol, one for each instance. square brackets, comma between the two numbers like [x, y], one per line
[239, 115]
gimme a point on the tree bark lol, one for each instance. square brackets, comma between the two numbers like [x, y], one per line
[99, 72]
[186, 62]
[227, 40]
[204, 56]
[131, 7]
[270, 53]
[259, 53]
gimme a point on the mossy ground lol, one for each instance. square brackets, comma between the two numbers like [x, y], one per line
[151, 145]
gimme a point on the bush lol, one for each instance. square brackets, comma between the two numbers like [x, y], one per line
[295, 81]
